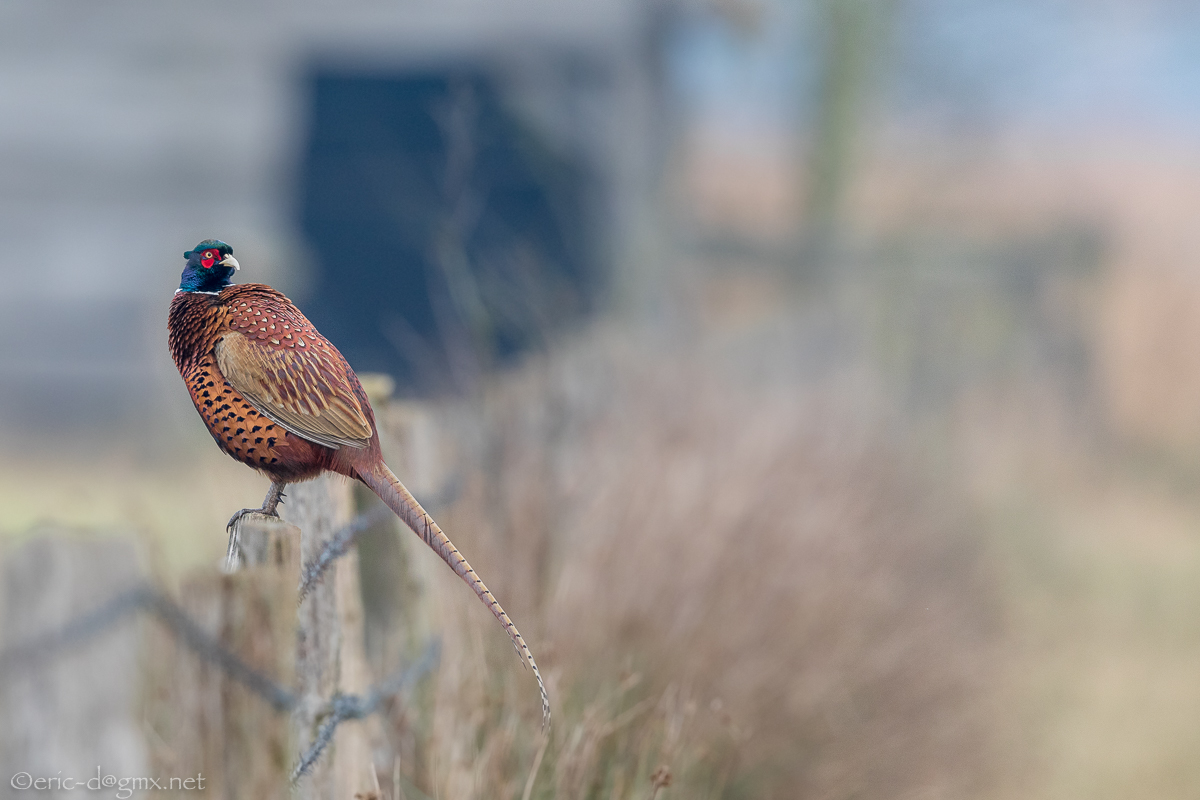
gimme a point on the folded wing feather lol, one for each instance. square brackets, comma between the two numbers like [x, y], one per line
[301, 390]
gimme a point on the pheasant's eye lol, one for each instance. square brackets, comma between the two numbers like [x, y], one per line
[210, 254]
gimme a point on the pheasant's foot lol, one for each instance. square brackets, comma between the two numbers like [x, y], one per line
[236, 518]
[270, 504]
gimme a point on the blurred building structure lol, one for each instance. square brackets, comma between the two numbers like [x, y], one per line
[131, 132]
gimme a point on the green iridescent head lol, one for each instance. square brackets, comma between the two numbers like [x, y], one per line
[210, 267]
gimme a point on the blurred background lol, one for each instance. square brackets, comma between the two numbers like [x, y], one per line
[818, 380]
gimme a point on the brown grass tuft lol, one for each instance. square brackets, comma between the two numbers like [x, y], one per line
[737, 573]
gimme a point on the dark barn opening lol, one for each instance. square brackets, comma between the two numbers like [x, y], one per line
[449, 235]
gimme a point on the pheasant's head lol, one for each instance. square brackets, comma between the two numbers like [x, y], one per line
[210, 267]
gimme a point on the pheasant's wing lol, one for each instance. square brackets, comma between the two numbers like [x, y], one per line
[305, 389]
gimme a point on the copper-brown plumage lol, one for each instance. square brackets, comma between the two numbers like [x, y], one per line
[279, 397]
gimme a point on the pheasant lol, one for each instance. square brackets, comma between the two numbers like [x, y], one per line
[279, 397]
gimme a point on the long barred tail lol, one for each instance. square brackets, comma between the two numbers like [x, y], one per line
[384, 483]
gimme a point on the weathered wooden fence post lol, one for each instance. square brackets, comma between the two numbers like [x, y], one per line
[210, 723]
[329, 653]
[200, 719]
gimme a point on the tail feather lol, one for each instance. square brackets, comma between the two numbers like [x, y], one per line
[384, 483]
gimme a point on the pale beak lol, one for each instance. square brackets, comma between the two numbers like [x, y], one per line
[230, 261]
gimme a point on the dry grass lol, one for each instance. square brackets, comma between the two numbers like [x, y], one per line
[726, 572]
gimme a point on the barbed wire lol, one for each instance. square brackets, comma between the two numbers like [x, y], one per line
[77, 632]
[145, 597]
[210, 649]
[339, 543]
[343, 707]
